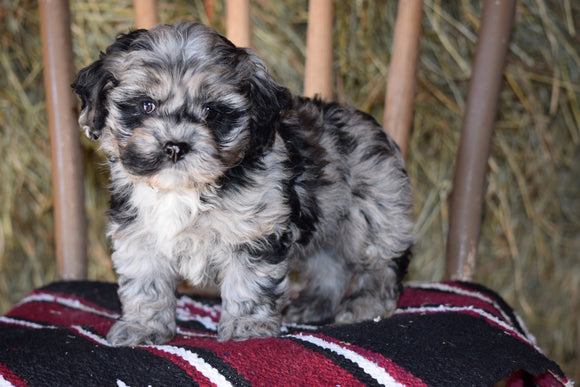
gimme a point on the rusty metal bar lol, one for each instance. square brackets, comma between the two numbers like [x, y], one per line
[477, 129]
[238, 22]
[402, 80]
[146, 15]
[67, 173]
[318, 72]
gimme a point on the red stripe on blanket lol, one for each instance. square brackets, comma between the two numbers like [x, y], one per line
[69, 299]
[276, 362]
[195, 309]
[56, 314]
[9, 376]
[412, 297]
[518, 379]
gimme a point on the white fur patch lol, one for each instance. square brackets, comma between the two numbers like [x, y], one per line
[165, 214]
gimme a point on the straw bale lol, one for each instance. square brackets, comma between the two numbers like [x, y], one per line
[529, 248]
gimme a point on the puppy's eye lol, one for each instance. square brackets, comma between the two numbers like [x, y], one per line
[210, 113]
[147, 107]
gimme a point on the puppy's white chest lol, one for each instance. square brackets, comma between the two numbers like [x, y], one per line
[166, 215]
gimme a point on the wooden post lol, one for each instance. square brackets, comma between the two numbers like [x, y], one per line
[402, 77]
[475, 143]
[238, 22]
[209, 10]
[145, 13]
[318, 72]
[67, 164]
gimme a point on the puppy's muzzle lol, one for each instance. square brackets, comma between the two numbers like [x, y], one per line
[175, 151]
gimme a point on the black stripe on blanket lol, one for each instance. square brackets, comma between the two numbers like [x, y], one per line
[45, 357]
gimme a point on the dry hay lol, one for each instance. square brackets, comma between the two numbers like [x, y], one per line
[529, 245]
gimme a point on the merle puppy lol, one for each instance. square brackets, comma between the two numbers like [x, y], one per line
[220, 175]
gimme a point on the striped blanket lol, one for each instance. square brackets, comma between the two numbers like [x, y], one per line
[441, 334]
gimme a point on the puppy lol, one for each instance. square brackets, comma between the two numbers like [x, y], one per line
[219, 175]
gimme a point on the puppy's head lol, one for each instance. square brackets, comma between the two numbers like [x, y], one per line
[179, 105]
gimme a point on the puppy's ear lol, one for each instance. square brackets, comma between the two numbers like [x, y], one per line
[269, 100]
[93, 83]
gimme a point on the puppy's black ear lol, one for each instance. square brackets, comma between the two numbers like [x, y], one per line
[269, 100]
[93, 83]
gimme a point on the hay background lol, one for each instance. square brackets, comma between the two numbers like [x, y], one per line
[529, 249]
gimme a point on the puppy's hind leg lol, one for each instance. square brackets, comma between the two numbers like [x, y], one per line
[326, 282]
[375, 291]
[253, 294]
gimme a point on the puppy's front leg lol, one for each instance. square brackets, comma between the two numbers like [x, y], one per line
[148, 304]
[253, 295]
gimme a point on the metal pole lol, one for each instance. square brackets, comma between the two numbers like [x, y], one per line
[475, 142]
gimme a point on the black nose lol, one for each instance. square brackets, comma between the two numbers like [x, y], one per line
[176, 150]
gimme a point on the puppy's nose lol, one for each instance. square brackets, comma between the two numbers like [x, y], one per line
[176, 150]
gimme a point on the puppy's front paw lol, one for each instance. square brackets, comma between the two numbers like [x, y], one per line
[243, 328]
[124, 333]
